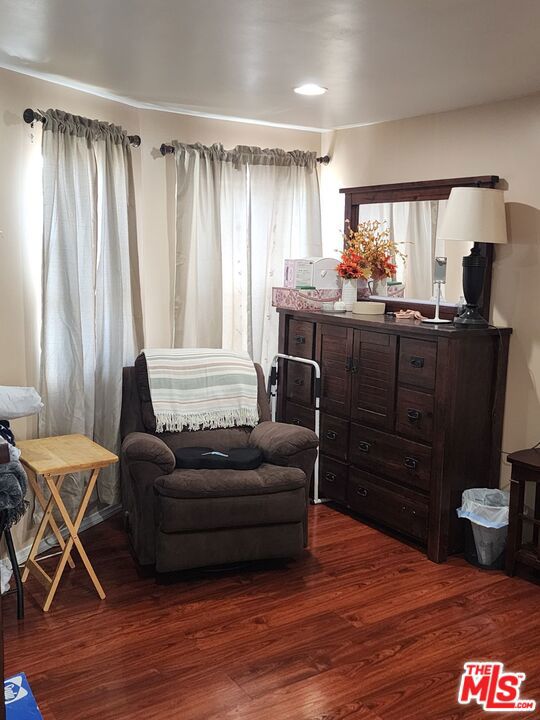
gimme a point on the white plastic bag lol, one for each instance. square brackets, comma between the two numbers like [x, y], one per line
[485, 506]
[16, 402]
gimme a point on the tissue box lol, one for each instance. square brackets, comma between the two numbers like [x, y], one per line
[311, 300]
[319, 273]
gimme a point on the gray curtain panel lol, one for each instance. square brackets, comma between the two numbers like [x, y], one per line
[92, 319]
[239, 214]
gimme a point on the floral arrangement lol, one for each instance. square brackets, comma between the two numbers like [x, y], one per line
[369, 252]
[353, 264]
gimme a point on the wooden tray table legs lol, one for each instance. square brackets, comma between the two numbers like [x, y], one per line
[54, 483]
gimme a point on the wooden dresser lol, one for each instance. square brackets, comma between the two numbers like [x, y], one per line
[411, 415]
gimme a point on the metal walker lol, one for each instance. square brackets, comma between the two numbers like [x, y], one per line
[272, 391]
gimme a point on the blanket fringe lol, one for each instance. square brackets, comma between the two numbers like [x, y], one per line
[176, 422]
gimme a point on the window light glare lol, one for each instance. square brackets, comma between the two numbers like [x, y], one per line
[310, 89]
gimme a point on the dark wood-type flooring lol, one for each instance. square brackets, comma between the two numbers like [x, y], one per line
[363, 626]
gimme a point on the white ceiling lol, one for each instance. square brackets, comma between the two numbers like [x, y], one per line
[380, 59]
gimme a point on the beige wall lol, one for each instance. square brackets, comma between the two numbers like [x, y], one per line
[500, 139]
[20, 212]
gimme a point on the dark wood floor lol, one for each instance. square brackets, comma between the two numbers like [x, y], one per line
[362, 626]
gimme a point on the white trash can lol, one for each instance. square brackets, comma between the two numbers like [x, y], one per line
[487, 509]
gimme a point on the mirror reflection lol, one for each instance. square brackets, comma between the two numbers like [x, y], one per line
[413, 226]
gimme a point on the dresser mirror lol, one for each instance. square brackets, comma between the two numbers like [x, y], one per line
[412, 213]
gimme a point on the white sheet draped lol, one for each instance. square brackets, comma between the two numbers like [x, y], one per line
[92, 324]
[239, 214]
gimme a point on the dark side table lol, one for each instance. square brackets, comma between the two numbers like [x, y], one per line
[525, 469]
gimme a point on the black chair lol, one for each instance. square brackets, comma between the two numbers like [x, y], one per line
[6, 532]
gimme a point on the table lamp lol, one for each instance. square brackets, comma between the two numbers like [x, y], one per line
[474, 215]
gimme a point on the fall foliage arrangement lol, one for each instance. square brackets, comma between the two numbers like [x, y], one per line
[368, 252]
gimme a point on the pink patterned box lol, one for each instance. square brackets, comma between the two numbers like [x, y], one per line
[312, 300]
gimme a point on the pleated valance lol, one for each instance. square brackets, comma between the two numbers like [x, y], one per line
[249, 155]
[58, 121]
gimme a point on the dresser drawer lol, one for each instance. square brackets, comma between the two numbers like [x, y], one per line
[386, 503]
[298, 415]
[417, 363]
[414, 415]
[300, 342]
[402, 460]
[333, 479]
[334, 437]
[299, 385]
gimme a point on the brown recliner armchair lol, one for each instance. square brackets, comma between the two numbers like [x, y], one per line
[179, 519]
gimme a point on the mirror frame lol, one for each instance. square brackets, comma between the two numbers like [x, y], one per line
[422, 190]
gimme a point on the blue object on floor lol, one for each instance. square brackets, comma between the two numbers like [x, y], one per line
[20, 703]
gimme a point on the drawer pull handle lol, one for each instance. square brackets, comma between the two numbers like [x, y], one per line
[300, 340]
[298, 381]
[411, 463]
[349, 364]
[331, 435]
[330, 477]
[364, 446]
[413, 415]
[417, 362]
[296, 421]
[361, 491]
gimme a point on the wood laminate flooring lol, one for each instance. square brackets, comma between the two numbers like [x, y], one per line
[361, 627]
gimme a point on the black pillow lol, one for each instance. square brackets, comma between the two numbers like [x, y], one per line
[197, 458]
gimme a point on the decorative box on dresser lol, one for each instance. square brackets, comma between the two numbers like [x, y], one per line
[411, 415]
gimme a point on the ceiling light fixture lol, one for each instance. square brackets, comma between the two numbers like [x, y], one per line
[310, 89]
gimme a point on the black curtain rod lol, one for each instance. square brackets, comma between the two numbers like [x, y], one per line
[169, 150]
[30, 116]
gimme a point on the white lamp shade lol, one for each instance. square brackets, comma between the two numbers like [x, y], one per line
[474, 215]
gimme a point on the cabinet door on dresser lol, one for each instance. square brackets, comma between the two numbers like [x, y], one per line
[334, 351]
[374, 379]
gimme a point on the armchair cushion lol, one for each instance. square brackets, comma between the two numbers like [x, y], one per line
[265, 480]
[139, 447]
[279, 441]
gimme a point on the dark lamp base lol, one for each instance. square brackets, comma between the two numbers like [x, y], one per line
[470, 317]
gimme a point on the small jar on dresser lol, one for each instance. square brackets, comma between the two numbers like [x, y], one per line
[410, 416]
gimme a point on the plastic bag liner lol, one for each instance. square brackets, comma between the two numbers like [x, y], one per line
[485, 506]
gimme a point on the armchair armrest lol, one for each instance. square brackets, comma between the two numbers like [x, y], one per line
[280, 441]
[138, 446]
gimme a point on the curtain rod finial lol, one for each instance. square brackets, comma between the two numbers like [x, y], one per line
[29, 116]
[135, 140]
[324, 160]
[166, 149]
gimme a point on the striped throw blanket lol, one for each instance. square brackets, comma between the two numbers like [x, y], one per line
[194, 389]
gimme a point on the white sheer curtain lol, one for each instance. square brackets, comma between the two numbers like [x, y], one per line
[91, 317]
[285, 222]
[411, 227]
[240, 213]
